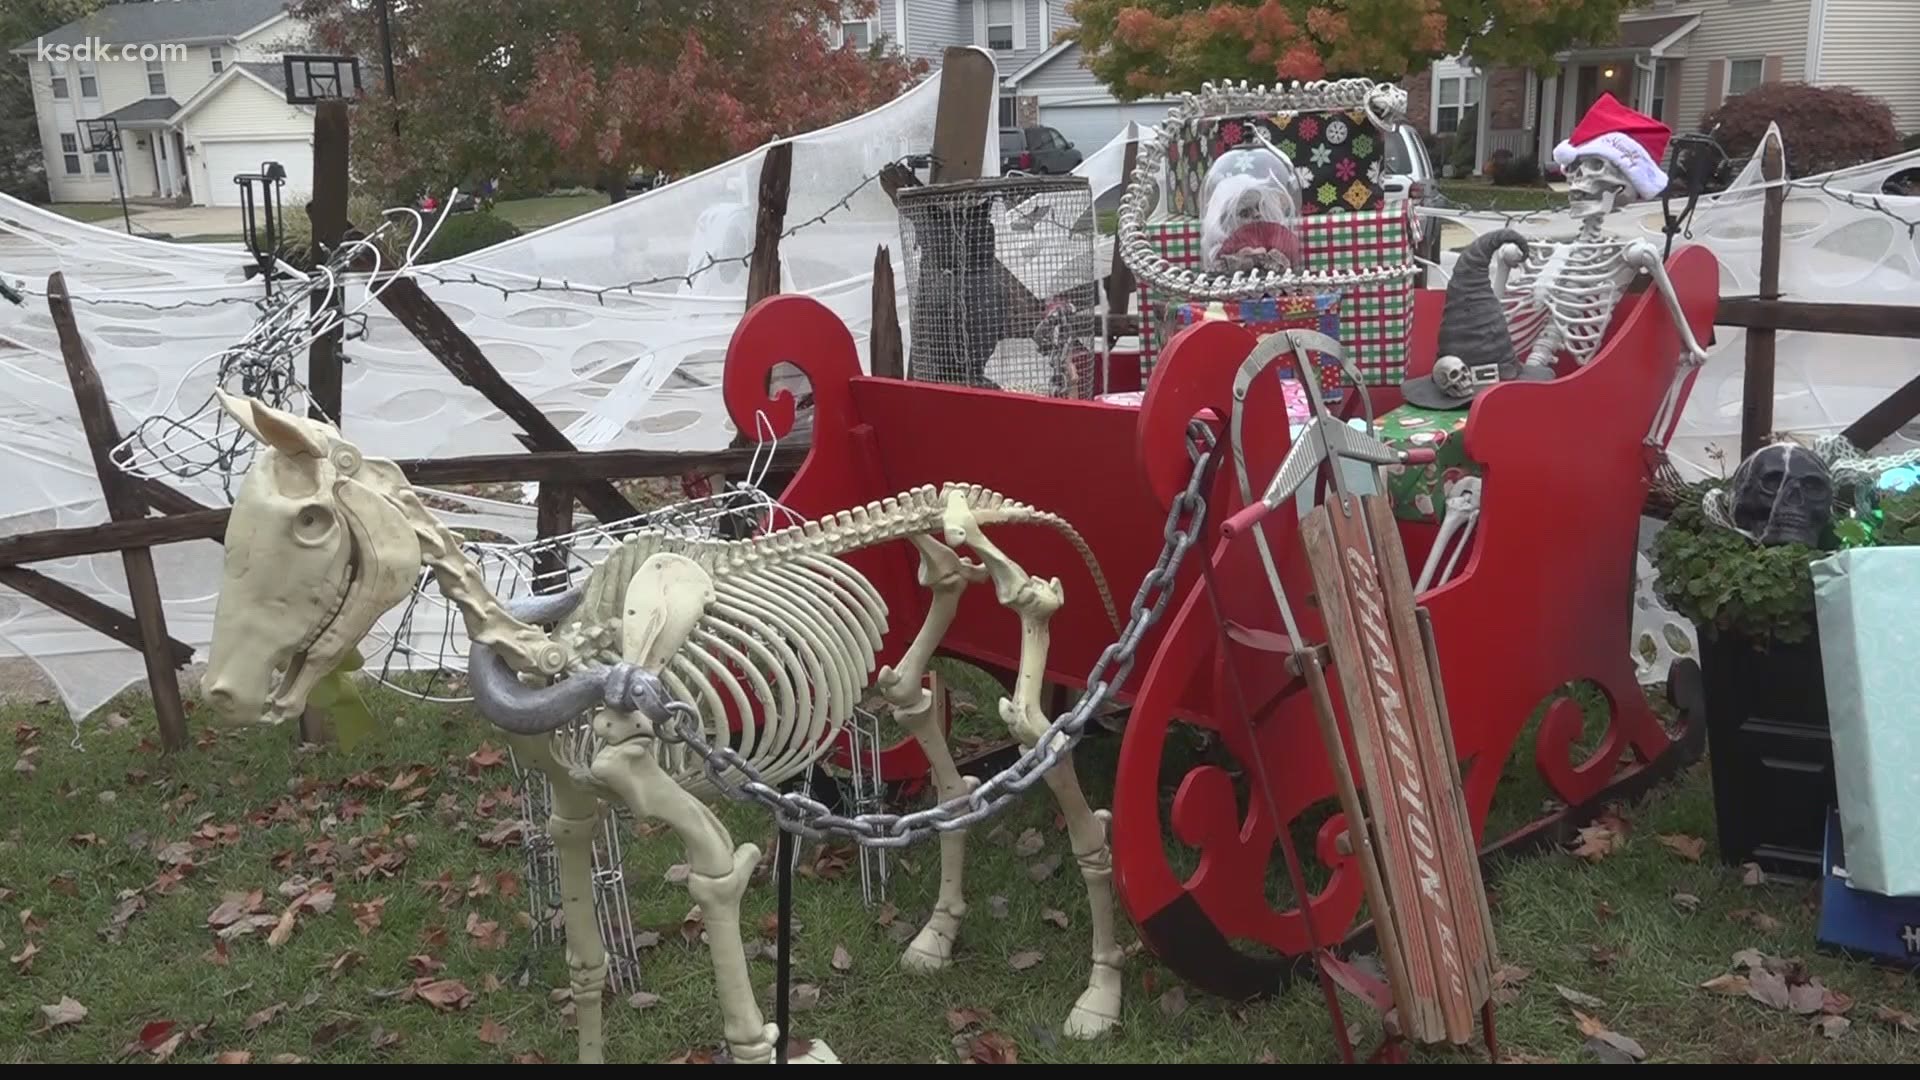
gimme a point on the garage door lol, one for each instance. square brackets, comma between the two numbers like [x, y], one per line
[225, 160]
[1091, 126]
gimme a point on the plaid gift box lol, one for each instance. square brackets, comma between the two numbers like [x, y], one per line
[1270, 315]
[1340, 155]
[1374, 319]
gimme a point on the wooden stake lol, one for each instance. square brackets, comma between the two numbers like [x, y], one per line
[886, 349]
[328, 213]
[967, 92]
[123, 504]
[1756, 408]
[776, 180]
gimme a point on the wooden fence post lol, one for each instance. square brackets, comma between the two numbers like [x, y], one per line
[1756, 408]
[886, 352]
[776, 181]
[123, 504]
[328, 213]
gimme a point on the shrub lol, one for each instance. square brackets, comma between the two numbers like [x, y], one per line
[1517, 171]
[1824, 127]
[463, 234]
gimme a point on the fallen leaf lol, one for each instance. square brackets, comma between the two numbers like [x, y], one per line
[1754, 876]
[63, 1012]
[492, 1033]
[333, 1031]
[1689, 848]
[131, 904]
[64, 884]
[217, 956]
[1749, 960]
[1585, 1001]
[424, 964]
[1056, 917]
[530, 1057]
[343, 962]
[1610, 1045]
[677, 873]
[1759, 920]
[886, 914]
[1596, 842]
[85, 839]
[1832, 1026]
[1727, 984]
[152, 1036]
[1768, 988]
[23, 960]
[283, 929]
[288, 1059]
[959, 1020]
[233, 1057]
[1029, 844]
[1045, 868]
[1173, 1002]
[1602, 956]
[1898, 1018]
[264, 1016]
[443, 994]
[803, 996]
[842, 959]
[366, 915]
[1025, 959]
[992, 1048]
[382, 1038]
[1686, 902]
[1835, 1003]
[997, 906]
[234, 907]
[487, 757]
[485, 931]
[643, 1000]
[1806, 999]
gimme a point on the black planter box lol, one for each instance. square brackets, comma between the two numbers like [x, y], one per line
[1770, 752]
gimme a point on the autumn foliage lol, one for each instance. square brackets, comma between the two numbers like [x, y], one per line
[1822, 127]
[590, 91]
[1143, 48]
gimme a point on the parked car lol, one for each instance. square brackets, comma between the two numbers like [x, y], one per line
[1410, 177]
[1037, 149]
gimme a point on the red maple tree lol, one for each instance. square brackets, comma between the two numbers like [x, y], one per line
[528, 91]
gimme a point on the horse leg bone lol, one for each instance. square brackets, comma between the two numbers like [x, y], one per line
[572, 822]
[1035, 601]
[718, 880]
[946, 575]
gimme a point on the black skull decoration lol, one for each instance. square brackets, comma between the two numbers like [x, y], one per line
[1782, 494]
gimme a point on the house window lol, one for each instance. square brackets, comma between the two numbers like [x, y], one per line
[857, 33]
[89, 80]
[156, 78]
[1657, 108]
[1453, 95]
[103, 165]
[1744, 75]
[1000, 24]
[70, 153]
[59, 83]
[1008, 112]
[213, 53]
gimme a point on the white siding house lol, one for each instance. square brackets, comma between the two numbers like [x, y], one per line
[175, 51]
[1872, 46]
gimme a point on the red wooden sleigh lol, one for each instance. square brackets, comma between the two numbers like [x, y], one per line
[1542, 600]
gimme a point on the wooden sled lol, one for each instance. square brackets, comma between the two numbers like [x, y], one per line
[1408, 825]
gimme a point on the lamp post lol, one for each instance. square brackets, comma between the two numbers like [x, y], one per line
[101, 135]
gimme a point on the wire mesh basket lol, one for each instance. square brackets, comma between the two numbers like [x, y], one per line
[1003, 285]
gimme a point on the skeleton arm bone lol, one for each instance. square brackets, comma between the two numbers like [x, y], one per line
[1643, 256]
[1504, 260]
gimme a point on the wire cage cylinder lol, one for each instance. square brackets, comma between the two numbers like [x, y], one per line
[1002, 284]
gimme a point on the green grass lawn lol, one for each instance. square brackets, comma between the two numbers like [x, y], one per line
[117, 865]
[543, 210]
[86, 211]
[1484, 195]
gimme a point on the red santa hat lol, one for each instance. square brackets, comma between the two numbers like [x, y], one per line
[1634, 142]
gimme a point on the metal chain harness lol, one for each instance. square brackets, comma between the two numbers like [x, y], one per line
[799, 814]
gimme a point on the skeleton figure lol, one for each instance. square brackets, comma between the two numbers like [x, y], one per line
[1782, 494]
[1560, 294]
[775, 634]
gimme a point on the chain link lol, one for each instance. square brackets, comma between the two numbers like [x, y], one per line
[805, 816]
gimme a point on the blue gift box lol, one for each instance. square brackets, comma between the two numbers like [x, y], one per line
[1867, 602]
[1859, 923]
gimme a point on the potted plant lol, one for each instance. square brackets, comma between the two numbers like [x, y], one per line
[1763, 666]
[1752, 606]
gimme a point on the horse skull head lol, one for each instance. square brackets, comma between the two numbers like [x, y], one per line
[316, 550]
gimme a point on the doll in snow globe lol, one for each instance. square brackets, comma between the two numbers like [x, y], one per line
[1250, 212]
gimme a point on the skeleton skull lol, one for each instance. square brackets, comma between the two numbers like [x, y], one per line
[1782, 494]
[1595, 184]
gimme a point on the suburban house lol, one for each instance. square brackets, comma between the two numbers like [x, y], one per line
[197, 89]
[1042, 81]
[1677, 60]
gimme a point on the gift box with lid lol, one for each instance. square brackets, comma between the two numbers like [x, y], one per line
[1374, 320]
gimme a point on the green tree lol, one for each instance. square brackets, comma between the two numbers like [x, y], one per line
[22, 167]
[591, 91]
[1145, 48]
